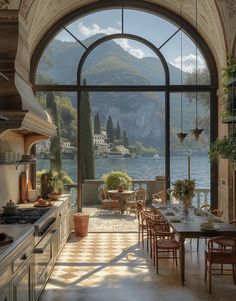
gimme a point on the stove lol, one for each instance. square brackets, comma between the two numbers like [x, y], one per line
[23, 216]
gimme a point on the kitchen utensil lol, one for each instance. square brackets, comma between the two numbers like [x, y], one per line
[10, 208]
[32, 195]
[23, 187]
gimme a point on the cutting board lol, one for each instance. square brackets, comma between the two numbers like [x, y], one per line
[23, 187]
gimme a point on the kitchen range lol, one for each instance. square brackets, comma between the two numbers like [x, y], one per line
[50, 230]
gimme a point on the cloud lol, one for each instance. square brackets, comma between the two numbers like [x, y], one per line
[189, 62]
[88, 31]
[124, 43]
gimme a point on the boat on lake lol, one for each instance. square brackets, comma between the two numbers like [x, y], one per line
[156, 156]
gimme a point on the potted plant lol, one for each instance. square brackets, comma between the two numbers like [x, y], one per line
[117, 180]
[228, 87]
[224, 148]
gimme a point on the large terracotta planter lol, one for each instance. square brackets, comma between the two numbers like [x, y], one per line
[81, 221]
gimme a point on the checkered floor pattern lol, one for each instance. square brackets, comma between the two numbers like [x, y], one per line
[112, 267]
[94, 267]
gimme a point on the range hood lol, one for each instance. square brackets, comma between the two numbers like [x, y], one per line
[19, 110]
[22, 113]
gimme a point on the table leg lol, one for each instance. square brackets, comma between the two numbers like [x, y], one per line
[182, 258]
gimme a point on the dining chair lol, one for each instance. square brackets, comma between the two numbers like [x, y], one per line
[220, 256]
[233, 222]
[164, 242]
[216, 212]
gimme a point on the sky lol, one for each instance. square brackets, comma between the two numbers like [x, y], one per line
[151, 27]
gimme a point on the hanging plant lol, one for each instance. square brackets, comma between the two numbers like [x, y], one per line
[228, 94]
[224, 148]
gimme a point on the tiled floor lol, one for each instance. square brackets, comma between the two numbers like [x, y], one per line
[111, 266]
[110, 221]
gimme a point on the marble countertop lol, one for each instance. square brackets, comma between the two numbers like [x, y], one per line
[18, 232]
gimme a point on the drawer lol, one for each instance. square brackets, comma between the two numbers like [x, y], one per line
[21, 258]
[4, 277]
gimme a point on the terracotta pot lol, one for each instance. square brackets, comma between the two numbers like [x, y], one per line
[120, 188]
[81, 221]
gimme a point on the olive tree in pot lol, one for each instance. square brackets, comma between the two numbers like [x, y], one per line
[117, 180]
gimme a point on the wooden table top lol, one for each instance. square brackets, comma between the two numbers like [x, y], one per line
[192, 228]
[125, 192]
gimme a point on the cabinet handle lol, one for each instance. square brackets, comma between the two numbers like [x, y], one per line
[24, 256]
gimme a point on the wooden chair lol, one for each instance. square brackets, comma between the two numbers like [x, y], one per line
[233, 222]
[216, 212]
[141, 195]
[106, 202]
[220, 256]
[164, 242]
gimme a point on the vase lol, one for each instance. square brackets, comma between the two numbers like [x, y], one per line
[120, 188]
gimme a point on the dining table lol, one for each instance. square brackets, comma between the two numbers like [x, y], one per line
[192, 227]
[122, 197]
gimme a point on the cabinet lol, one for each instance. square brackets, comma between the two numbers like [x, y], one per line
[63, 218]
[22, 289]
[5, 293]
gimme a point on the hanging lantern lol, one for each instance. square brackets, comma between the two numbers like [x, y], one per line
[181, 135]
[196, 132]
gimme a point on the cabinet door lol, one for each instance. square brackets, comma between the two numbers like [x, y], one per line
[5, 293]
[22, 285]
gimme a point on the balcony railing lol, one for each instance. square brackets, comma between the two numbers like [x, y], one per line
[90, 189]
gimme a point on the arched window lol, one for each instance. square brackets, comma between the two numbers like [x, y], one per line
[130, 59]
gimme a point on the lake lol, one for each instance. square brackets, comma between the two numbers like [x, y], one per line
[144, 168]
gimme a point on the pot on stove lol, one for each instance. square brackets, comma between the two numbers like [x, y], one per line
[10, 208]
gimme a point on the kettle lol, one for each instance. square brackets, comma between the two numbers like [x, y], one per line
[10, 208]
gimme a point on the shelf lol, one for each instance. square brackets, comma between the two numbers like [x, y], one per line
[18, 163]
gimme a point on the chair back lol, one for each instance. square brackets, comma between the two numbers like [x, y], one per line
[216, 212]
[102, 194]
[233, 222]
[140, 194]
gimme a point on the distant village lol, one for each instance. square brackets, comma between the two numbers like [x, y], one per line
[101, 148]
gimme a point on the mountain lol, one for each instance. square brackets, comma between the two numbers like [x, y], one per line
[141, 114]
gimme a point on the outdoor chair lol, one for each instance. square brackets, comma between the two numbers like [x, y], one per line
[220, 256]
[141, 195]
[106, 202]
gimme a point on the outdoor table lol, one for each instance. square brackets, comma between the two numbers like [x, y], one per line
[122, 197]
[192, 229]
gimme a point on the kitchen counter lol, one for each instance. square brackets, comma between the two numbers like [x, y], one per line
[19, 234]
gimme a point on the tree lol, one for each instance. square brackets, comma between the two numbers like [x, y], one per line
[110, 130]
[87, 158]
[55, 142]
[97, 124]
[118, 134]
[125, 139]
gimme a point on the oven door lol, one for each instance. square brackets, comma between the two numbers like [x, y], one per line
[45, 254]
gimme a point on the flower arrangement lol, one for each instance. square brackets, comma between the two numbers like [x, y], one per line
[184, 191]
[117, 180]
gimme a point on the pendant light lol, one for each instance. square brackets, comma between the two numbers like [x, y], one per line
[181, 135]
[196, 132]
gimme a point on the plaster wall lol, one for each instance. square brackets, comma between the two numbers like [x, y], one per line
[9, 175]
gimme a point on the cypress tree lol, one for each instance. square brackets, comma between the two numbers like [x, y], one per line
[110, 130]
[86, 145]
[55, 142]
[125, 139]
[97, 124]
[118, 134]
